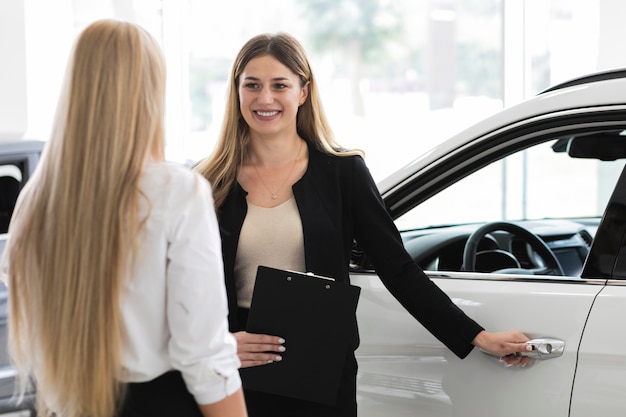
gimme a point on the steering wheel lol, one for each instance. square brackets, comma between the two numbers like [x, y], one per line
[552, 265]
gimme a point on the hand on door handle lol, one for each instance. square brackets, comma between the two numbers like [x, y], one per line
[545, 348]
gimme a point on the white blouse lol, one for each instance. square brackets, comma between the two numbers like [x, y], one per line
[175, 308]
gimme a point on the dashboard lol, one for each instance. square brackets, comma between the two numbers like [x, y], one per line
[442, 248]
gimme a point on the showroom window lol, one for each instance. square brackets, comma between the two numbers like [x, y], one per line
[396, 76]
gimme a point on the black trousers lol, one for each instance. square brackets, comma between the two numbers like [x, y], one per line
[165, 396]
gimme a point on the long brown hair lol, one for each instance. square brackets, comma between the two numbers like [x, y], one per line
[72, 236]
[220, 168]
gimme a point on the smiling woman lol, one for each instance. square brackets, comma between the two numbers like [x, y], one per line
[332, 200]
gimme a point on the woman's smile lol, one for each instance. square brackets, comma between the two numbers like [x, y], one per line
[267, 114]
[270, 92]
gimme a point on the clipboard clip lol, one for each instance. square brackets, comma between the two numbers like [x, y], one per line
[310, 274]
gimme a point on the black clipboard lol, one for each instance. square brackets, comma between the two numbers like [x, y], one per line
[316, 317]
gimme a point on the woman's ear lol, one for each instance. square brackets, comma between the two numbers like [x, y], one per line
[304, 92]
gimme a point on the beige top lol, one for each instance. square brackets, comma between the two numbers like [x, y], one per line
[271, 237]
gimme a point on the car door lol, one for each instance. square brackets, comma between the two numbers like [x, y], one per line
[405, 371]
[600, 382]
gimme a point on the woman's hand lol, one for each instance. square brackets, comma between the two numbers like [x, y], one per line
[507, 345]
[258, 349]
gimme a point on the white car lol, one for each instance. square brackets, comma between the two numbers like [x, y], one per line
[521, 220]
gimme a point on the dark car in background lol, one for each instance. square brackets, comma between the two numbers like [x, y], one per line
[17, 163]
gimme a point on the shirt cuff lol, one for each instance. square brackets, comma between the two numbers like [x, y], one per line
[222, 387]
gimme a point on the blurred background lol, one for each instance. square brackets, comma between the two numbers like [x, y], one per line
[397, 76]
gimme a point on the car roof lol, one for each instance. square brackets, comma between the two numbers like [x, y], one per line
[595, 90]
[587, 79]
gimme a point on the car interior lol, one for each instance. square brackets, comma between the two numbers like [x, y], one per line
[533, 212]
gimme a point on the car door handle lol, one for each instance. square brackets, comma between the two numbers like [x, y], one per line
[545, 348]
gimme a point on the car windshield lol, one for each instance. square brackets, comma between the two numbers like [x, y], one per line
[535, 183]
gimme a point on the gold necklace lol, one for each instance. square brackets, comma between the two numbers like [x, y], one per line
[274, 195]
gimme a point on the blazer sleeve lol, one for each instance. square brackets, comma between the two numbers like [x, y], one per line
[378, 236]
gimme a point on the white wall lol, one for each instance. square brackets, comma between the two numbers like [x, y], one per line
[12, 70]
[36, 38]
[612, 53]
[35, 42]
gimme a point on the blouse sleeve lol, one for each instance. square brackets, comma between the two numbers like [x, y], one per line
[200, 346]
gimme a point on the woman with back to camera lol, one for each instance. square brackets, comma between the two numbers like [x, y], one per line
[117, 299]
[289, 197]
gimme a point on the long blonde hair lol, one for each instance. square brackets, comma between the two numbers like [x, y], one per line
[72, 236]
[220, 168]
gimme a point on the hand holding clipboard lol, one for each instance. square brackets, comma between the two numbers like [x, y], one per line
[315, 316]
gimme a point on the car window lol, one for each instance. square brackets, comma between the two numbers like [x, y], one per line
[535, 183]
[556, 191]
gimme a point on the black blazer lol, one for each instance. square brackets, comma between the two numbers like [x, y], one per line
[338, 202]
